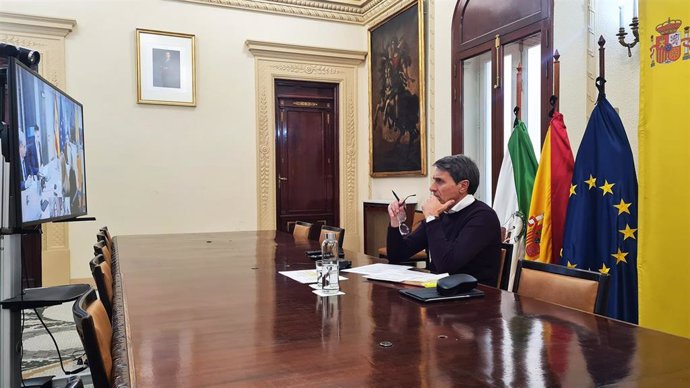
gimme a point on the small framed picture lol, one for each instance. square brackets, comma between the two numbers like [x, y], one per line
[166, 73]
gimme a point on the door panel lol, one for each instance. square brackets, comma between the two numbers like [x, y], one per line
[306, 154]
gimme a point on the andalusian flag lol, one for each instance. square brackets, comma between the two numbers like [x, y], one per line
[546, 218]
[664, 138]
[514, 188]
[515, 181]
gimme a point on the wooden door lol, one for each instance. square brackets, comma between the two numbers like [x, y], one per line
[306, 153]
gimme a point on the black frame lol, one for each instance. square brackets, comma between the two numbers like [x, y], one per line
[601, 279]
[14, 146]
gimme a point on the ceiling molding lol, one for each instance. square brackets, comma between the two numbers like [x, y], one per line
[36, 24]
[344, 11]
[300, 53]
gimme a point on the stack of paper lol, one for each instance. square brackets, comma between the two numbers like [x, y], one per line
[398, 274]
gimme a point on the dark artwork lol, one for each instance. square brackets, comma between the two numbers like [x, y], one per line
[396, 85]
[166, 68]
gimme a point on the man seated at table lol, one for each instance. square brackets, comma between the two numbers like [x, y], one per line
[460, 233]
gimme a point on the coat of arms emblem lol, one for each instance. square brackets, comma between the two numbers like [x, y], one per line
[669, 45]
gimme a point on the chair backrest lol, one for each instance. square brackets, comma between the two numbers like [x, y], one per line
[101, 237]
[583, 290]
[301, 230]
[339, 234]
[98, 259]
[96, 335]
[417, 220]
[103, 276]
[101, 248]
[505, 266]
[108, 237]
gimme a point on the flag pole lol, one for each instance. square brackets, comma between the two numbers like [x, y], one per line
[518, 104]
[556, 78]
[601, 80]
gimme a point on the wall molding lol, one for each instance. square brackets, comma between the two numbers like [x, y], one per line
[360, 12]
[281, 61]
[47, 36]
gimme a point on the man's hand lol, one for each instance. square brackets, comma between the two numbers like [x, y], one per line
[433, 207]
[394, 209]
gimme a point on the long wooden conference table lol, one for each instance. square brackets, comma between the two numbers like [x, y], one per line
[211, 309]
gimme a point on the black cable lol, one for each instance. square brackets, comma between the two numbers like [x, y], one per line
[57, 348]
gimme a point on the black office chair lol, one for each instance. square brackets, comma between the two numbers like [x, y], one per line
[96, 335]
[103, 276]
[576, 288]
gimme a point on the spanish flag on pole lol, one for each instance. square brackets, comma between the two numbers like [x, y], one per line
[546, 218]
[664, 139]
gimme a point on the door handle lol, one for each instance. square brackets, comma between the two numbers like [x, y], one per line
[281, 179]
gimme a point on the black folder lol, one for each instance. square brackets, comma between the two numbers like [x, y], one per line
[431, 295]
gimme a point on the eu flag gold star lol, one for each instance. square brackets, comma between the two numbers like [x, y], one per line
[592, 181]
[571, 265]
[623, 207]
[607, 187]
[604, 269]
[620, 256]
[572, 190]
[628, 232]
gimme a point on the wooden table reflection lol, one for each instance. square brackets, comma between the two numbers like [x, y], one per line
[212, 310]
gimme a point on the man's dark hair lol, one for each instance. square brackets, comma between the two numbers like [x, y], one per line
[460, 167]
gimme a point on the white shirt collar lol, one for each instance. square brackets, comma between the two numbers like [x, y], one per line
[465, 202]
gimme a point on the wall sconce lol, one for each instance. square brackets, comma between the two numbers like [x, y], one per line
[634, 26]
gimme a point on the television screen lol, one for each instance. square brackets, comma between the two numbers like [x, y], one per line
[49, 150]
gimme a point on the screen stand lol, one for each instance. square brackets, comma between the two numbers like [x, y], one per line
[10, 286]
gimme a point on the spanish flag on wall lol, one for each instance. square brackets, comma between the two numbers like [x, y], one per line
[664, 138]
[546, 218]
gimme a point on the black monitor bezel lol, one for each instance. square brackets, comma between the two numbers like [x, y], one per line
[14, 144]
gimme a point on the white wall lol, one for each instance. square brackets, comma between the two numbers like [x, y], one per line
[162, 169]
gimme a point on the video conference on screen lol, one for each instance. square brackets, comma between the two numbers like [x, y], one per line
[51, 151]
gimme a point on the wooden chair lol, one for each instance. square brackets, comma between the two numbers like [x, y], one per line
[96, 335]
[301, 230]
[505, 266]
[108, 237]
[579, 289]
[419, 256]
[95, 261]
[103, 276]
[101, 248]
[339, 234]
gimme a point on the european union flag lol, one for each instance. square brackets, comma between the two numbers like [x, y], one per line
[601, 223]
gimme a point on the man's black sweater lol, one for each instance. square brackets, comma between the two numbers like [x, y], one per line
[467, 241]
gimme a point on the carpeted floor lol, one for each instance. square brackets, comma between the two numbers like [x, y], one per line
[40, 357]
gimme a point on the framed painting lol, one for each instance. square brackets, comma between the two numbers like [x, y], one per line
[165, 68]
[397, 144]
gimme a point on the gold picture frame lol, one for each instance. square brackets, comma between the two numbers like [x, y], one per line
[397, 117]
[166, 68]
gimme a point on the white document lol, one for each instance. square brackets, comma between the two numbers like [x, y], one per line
[407, 276]
[304, 276]
[373, 269]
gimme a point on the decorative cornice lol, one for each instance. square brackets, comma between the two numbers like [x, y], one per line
[19, 23]
[345, 11]
[287, 52]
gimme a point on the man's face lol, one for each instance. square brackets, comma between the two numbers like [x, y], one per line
[444, 187]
